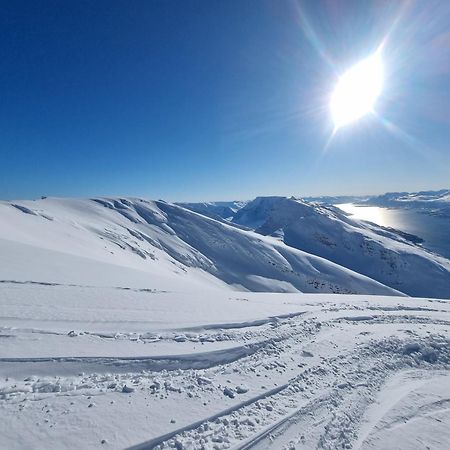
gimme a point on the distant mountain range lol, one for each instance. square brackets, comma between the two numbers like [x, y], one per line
[434, 202]
[422, 199]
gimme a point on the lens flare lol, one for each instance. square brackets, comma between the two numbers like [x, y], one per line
[357, 90]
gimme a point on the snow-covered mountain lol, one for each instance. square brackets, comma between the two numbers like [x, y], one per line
[382, 254]
[334, 200]
[156, 245]
[421, 199]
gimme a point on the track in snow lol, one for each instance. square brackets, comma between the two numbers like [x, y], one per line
[300, 380]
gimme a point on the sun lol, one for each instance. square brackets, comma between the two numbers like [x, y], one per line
[357, 90]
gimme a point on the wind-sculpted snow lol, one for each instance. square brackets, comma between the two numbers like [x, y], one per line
[385, 255]
[87, 367]
[162, 245]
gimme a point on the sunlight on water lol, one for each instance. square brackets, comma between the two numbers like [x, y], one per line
[433, 229]
[371, 213]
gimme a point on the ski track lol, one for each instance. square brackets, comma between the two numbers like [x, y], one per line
[337, 411]
[74, 365]
[51, 283]
[328, 365]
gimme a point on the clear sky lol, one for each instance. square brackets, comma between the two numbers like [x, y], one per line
[218, 99]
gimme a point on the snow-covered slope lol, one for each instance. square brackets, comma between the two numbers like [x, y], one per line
[157, 245]
[101, 367]
[215, 210]
[379, 253]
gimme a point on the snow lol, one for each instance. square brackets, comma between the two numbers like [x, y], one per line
[434, 203]
[216, 210]
[422, 199]
[254, 370]
[131, 324]
[159, 246]
[408, 406]
[385, 255]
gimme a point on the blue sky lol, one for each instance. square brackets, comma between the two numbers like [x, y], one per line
[201, 100]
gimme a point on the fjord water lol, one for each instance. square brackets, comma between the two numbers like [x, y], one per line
[434, 230]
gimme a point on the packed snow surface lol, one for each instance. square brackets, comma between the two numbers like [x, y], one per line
[105, 367]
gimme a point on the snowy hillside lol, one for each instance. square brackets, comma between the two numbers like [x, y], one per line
[157, 245]
[215, 210]
[379, 253]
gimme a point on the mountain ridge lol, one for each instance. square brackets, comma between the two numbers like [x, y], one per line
[163, 242]
[380, 253]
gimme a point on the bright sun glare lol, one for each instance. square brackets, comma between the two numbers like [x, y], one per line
[357, 90]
